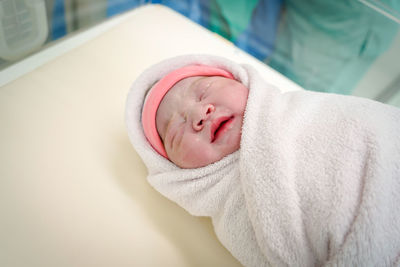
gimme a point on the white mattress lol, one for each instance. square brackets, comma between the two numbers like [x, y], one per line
[73, 192]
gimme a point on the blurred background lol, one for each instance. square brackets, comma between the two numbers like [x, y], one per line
[343, 46]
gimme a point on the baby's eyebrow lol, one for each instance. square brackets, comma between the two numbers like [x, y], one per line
[198, 80]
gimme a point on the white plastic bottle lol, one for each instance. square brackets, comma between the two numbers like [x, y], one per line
[23, 27]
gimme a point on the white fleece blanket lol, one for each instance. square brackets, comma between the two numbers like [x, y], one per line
[316, 181]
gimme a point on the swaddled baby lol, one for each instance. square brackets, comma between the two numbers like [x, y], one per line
[297, 178]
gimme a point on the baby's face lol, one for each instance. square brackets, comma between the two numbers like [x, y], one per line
[200, 120]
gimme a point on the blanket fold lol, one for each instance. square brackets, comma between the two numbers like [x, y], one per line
[316, 181]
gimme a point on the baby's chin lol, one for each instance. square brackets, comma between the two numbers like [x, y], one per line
[192, 161]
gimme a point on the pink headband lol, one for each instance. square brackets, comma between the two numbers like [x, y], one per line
[160, 89]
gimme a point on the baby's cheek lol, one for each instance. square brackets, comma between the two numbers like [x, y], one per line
[191, 147]
[195, 153]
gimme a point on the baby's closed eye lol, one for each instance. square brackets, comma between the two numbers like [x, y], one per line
[201, 95]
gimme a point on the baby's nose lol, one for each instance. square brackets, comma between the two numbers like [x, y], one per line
[201, 115]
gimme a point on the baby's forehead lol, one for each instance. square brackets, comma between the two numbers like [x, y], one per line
[182, 89]
[173, 98]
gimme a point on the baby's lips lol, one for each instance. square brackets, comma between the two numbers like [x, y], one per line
[215, 125]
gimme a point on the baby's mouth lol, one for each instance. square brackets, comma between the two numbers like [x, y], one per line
[220, 126]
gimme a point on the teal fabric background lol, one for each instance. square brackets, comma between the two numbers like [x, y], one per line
[329, 45]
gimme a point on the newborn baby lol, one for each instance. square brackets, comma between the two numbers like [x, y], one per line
[200, 118]
[289, 179]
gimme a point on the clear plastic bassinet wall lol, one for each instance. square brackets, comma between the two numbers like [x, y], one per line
[342, 46]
